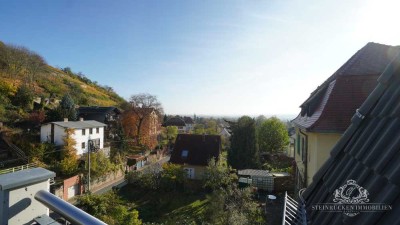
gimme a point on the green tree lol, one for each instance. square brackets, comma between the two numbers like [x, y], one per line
[243, 152]
[169, 134]
[233, 206]
[273, 136]
[110, 208]
[23, 97]
[172, 176]
[260, 119]
[199, 129]
[212, 127]
[100, 165]
[66, 109]
[217, 175]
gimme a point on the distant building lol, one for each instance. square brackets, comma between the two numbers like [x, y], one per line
[84, 131]
[194, 151]
[177, 122]
[327, 113]
[184, 125]
[225, 133]
[189, 124]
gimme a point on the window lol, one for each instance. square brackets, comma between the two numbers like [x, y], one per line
[190, 173]
[185, 153]
[96, 142]
[298, 144]
[97, 130]
[90, 130]
[83, 132]
[303, 149]
[83, 145]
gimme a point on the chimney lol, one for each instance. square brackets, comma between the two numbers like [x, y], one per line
[65, 119]
[80, 118]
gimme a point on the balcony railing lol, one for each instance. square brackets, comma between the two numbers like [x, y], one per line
[69, 212]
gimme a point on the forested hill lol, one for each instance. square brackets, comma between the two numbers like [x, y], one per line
[28, 84]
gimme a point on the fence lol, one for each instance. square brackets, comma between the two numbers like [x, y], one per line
[18, 168]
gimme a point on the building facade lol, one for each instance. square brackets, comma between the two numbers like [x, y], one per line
[83, 132]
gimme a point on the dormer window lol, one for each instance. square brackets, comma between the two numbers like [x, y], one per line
[185, 153]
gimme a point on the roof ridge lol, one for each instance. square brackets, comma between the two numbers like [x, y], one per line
[350, 62]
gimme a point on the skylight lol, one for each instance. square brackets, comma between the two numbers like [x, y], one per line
[185, 153]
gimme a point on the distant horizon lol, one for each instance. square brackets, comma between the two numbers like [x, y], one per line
[279, 116]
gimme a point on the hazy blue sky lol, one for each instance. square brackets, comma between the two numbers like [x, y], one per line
[203, 57]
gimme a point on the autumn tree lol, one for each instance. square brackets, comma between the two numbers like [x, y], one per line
[272, 136]
[69, 162]
[141, 108]
[37, 117]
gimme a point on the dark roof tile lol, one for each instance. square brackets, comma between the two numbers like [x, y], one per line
[175, 121]
[200, 148]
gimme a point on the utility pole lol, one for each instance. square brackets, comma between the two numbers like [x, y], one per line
[90, 149]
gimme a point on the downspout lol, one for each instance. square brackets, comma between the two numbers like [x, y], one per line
[306, 157]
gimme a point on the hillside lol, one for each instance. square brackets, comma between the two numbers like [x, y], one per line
[28, 83]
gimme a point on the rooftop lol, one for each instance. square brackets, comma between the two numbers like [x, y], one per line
[196, 149]
[331, 106]
[369, 154]
[257, 173]
[80, 124]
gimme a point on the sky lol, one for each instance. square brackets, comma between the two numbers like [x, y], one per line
[205, 57]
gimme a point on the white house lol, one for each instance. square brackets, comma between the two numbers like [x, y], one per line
[84, 131]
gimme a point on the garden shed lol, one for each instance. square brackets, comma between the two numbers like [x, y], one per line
[262, 179]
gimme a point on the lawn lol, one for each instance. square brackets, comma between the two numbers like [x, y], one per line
[166, 207]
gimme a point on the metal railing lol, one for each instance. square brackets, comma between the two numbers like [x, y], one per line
[69, 212]
[18, 168]
[293, 212]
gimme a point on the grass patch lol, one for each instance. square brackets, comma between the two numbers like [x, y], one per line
[166, 207]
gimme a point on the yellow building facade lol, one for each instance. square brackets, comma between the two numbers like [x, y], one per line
[311, 151]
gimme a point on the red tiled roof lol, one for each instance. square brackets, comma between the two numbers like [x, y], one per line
[331, 106]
